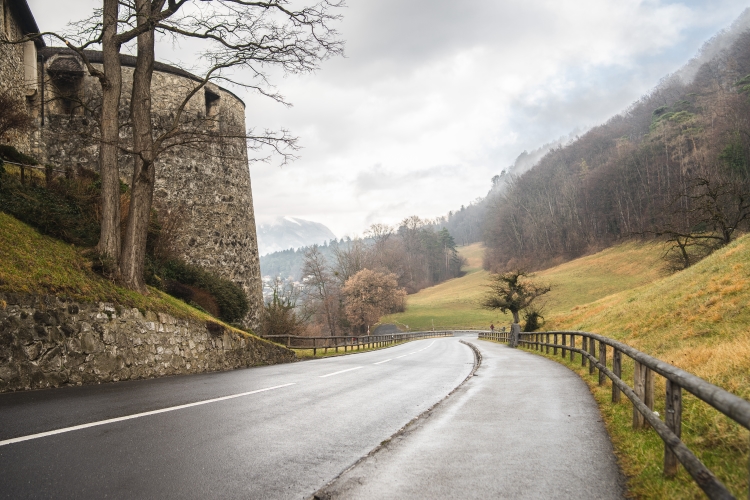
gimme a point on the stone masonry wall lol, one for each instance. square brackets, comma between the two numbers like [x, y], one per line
[50, 342]
[11, 66]
[208, 183]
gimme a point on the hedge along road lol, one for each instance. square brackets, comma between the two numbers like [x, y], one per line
[280, 431]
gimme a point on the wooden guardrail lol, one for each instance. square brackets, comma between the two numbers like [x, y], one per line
[48, 170]
[642, 393]
[350, 342]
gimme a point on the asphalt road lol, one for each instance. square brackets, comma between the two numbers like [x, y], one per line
[523, 427]
[281, 431]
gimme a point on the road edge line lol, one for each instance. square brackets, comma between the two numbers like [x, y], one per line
[319, 494]
[97, 423]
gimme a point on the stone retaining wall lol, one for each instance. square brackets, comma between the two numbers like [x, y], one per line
[51, 342]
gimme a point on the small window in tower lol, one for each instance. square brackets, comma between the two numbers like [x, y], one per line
[212, 104]
[66, 73]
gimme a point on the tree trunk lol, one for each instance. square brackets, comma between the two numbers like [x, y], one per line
[516, 318]
[109, 240]
[142, 187]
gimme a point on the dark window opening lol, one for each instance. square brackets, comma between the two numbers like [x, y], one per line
[212, 103]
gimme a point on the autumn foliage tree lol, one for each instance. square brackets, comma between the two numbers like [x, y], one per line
[368, 295]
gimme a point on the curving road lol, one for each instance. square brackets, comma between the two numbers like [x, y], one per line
[524, 427]
[280, 431]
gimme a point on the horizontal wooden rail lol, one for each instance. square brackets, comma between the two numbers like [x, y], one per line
[642, 394]
[350, 342]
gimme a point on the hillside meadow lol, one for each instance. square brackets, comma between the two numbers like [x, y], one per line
[696, 319]
[455, 303]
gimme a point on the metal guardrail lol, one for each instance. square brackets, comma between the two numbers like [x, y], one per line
[350, 342]
[642, 394]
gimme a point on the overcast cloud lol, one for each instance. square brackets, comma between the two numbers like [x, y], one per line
[435, 97]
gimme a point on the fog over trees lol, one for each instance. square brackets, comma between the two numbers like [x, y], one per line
[345, 286]
[674, 165]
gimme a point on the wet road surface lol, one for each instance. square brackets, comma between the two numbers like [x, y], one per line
[522, 427]
[280, 431]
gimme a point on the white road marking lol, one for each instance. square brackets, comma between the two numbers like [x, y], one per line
[381, 362]
[342, 371]
[408, 354]
[136, 415]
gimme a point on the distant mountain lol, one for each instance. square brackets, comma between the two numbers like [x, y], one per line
[290, 232]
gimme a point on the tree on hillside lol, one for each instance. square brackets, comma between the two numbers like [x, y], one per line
[280, 315]
[235, 34]
[513, 292]
[368, 295]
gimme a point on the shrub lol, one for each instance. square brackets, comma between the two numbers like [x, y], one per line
[279, 312]
[11, 154]
[65, 211]
[534, 320]
[229, 297]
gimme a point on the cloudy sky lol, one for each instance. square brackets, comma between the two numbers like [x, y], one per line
[434, 97]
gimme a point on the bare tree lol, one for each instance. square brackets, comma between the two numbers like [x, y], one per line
[321, 288]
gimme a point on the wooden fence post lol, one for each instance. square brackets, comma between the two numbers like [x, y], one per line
[617, 370]
[602, 361]
[572, 346]
[639, 388]
[592, 351]
[673, 419]
[546, 343]
[584, 348]
[648, 391]
[554, 349]
[564, 343]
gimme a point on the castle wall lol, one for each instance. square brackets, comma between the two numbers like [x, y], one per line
[12, 65]
[208, 181]
[47, 341]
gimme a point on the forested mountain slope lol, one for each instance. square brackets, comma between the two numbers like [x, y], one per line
[675, 164]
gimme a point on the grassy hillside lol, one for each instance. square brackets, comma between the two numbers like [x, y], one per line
[696, 319]
[455, 303]
[36, 264]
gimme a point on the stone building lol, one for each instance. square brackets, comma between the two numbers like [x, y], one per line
[203, 178]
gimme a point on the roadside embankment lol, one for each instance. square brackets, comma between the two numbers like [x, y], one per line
[46, 341]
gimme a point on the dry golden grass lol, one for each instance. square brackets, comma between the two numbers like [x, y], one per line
[696, 319]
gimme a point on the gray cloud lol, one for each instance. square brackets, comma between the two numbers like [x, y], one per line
[436, 96]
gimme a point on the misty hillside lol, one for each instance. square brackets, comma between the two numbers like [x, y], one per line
[674, 165]
[289, 232]
[719, 63]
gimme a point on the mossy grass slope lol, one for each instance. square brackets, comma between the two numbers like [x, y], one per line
[31, 263]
